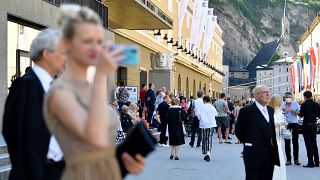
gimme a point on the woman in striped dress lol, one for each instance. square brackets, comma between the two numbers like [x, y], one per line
[207, 123]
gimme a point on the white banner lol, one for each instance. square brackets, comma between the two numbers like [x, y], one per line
[203, 20]
[209, 36]
[207, 31]
[183, 4]
[195, 23]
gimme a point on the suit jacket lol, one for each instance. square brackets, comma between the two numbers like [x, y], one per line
[257, 135]
[24, 128]
[150, 98]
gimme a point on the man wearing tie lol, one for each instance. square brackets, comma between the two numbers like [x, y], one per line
[34, 153]
[255, 128]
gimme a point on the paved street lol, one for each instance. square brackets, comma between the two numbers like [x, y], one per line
[225, 164]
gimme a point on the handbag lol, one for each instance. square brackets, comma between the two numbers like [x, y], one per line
[120, 136]
[139, 140]
[285, 133]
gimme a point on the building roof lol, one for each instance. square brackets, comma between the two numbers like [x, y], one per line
[264, 56]
[237, 69]
[240, 81]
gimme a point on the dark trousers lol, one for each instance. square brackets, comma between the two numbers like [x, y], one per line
[195, 129]
[54, 170]
[293, 127]
[310, 140]
[163, 137]
[150, 112]
[263, 172]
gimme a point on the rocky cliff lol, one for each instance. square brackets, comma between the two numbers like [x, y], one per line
[248, 24]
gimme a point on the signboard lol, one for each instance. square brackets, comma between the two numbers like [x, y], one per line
[133, 93]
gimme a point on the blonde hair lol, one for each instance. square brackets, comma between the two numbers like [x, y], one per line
[276, 102]
[71, 14]
[175, 101]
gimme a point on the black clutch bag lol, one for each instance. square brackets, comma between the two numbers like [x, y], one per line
[138, 141]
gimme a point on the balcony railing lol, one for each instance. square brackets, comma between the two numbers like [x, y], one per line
[96, 5]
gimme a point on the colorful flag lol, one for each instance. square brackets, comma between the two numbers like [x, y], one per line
[313, 65]
[292, 74]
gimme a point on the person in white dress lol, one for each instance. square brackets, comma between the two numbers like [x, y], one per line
[279, 173]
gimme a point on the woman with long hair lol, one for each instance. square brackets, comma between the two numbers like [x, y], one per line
[279, 173]
[75, 109]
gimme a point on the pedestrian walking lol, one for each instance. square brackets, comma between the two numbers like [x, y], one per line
[162, 110]
[221, 106]
[198, 103]
[207, 123]
[175, 118]
[310, 111]
[256, 130]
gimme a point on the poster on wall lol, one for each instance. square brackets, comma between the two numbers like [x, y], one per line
[133, 93]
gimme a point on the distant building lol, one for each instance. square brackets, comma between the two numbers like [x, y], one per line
[276, 76]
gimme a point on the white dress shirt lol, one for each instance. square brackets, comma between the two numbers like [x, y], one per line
[54, 153]
[263, 110]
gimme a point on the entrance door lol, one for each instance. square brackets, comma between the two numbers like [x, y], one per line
[143, 78]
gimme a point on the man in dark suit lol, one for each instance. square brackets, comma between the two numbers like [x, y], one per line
[150, 100]
[162, 110]
[310, 111]
[24, 128]
[256, 130]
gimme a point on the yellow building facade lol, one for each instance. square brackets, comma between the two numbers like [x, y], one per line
[186, 75]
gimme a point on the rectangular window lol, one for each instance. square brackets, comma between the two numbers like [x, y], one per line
[170, 5]
[287, 79]
[279, 80]
[279, 70]
[287, 69]
[279, 89]
[265, 73]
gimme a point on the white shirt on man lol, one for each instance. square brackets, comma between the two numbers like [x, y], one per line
[263, 110]
[207, 116]
[54, 152]
[198, 103]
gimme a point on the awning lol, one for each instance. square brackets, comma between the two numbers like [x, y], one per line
[136, 15]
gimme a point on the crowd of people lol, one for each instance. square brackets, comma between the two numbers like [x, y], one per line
[63, 128]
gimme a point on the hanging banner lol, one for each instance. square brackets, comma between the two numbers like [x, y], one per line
[302, 76]
[299, 74]
[313, 65]
[203, 20]
[208, 35]
[195, 23]
[292, 74]
[183, 4]
[316, 77]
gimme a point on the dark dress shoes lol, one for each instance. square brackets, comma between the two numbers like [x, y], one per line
[309, 166]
